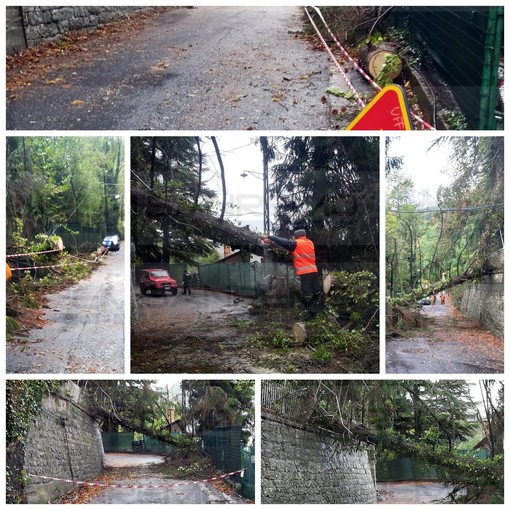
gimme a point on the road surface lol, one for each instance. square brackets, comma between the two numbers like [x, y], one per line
[214, 332]
[119, 460]
[84, 330]
[211, 68]
[410, 493]
[190, 333]
[451, 344]
[128, 470]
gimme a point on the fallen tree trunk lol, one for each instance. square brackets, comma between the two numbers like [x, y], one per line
[480, 472]
[453, 282]
[205, 224]
[114, 418]
[329, 246]
[381, 59]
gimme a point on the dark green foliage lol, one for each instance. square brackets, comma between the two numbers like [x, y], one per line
[171, 168]
[210, 404]
[426, 420]
[23, 405]
[330, 186]
[355, 298]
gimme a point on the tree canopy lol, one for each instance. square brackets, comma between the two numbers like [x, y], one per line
[456, 235]
[424, 419]
[328, 185]
[169, 168]
[142, 405]
[64, 182]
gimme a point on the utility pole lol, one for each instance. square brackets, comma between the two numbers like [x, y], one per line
[106, 218]
[265, 180]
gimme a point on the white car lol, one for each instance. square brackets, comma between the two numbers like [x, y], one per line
[111, 242]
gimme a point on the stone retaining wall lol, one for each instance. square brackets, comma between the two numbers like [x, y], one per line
[28, 26]
[300, 466]
[484, 301]
[63, 443]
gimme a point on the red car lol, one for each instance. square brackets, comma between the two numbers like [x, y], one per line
[157, 281]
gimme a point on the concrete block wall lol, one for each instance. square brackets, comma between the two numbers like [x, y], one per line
[300, 467]
[63, 443]
[28, 26]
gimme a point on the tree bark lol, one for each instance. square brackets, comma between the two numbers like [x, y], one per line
[200, 159]
[223, 184]
[204, 224]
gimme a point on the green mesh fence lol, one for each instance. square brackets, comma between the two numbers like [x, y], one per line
[76, 236]
[176, 271]
[125, 442]
[408, 469]
[224, 446]
[248, 480]
[155, 446]
[240, 278]
[402, 469]
[466, 46]
[118, 441]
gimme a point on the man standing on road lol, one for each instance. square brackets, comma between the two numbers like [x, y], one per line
[302, 251]
[186, 282]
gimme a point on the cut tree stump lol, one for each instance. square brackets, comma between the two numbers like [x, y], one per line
[381, 59]
[299, 332]
[326, 284]
[59, 244]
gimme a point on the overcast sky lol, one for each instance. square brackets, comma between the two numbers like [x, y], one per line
[425, 166]
[240, 154]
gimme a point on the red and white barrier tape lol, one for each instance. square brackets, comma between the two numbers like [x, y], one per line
[353, 62]
[32, 253]
[335, 61]
[345, 52]
[57, 265]
[34, 267]
[135, 486]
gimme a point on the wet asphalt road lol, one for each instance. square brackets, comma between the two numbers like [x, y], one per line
[447, 346]
[174, 492]
[391, 493]
[131, 469]
[84, 332]
[211, 68]
[182, 333]
[116, 459]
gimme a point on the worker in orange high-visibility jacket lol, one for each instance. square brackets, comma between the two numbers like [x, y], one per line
[302, 251]
[8, 272]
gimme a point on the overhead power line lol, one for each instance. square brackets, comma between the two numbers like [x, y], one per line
[448, 209]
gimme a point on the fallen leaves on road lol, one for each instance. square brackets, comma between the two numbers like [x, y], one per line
[40, 64]
[222, 486]
[85, 493]
[475, 345]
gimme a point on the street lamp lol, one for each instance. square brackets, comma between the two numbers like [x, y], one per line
[264, 177]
